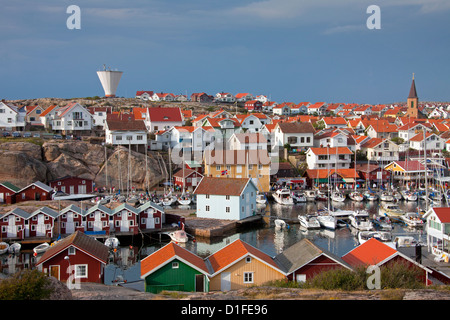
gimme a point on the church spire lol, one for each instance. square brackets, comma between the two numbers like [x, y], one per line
[412, 91]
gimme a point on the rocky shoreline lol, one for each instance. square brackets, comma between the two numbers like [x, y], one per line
[91, 291]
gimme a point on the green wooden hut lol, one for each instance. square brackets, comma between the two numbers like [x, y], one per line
[174, 268]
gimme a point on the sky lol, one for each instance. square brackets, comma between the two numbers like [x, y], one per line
[288, 50]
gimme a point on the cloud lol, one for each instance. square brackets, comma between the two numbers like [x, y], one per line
[345, 29]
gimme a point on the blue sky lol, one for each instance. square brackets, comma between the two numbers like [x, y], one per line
[290, 50]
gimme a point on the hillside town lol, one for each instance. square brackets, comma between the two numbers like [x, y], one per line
[210, 164]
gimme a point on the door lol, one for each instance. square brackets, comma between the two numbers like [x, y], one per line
[40, 227]
[199, 283]
[150, 223]
[2, 197]
[12, 229]
[54, 272]
[225, 281]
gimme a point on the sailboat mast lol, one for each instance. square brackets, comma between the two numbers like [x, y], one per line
[426, 167]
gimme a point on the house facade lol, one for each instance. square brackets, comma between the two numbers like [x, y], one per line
[8, 193]
[72, 185]
[72, 119]
[41, 223]
[12, 118]
[333, 158]
[127, 133]
[77, 257]
[438, 232]
[299, 135]
[36, 191]
[229, 199]
[14, 224]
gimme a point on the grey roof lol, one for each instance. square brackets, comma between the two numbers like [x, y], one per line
[46, 210]
[74, 208]
[19, 212]
[98, 207]
[301, 253]
[39, 184]
[149, 204]
[124, 206]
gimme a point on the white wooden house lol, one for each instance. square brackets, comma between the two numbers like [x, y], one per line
[438, 232]
[226, 198]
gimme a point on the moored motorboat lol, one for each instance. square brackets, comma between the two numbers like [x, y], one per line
[383, 236]
[261, 198]
[184, 200]
[320, 196]
[412, 219]
[327, 221]
[383, 222]
[298, 197]
[178, 236]
[360, 220]
[4, 247]
[386, 196]
[391, 210]
[310, 195]
[41, 248]
[338, 196]
[283, 196]
[112, 242]
[14, 248]
[281, 224]
[356, 196]
[409, 195]
[309, 221]
[370, 196]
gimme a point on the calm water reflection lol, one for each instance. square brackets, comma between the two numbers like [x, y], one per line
[269, 240]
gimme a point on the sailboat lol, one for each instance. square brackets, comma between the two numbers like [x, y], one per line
[184, 199]
[338, 195]
[355, 195]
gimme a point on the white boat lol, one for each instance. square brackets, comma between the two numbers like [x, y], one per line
[299, 197]
[14, 248]
[338, 196]
[391, 210]
[341, 214]
[383, 236]
[310, 195]
[412, 219]
[320, 196]
[178, 236]
[184, 200]
[356, 196]
[280, 224]
[405, 241]
[309, 221]
[41, 248]
[261, 198]
[3, 247]
[397, 195]
[327, 221]
[383, 222]
[361, 221]
[386, 196]
[167, 201]
[409, 195]
[112, 242]
[283, 196]
[370, 196]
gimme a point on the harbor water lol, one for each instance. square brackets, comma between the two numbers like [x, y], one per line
[268, 239]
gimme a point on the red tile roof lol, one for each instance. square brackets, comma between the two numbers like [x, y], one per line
[235, 252]
[371, 252]
[222, 186]
[168, 253]
[161, 114]
[443, 214]
[334, 150]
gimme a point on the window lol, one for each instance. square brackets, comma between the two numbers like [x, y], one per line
[207, 196]
[207, 208]
[129, 138]
[175, 265]
[248, 277]
[227, 209]
[218, 167]
[139, 138]
[248, 259]
[118, 138]
[71, 251]
[81, 271]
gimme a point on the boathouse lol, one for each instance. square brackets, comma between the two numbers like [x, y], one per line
[303, 260]
[174, 268]
[78, 256]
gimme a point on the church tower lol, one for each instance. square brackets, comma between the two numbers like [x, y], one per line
[413, 101]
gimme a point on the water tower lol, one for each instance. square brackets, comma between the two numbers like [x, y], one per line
[110, 80]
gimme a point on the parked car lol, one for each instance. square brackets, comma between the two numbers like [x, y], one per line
[36, 135]
[16, 134]
[27, 134]
[6, 134]
[57, 136]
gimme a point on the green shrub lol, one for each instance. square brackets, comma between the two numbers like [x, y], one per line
[399, 276]
[25, 285]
